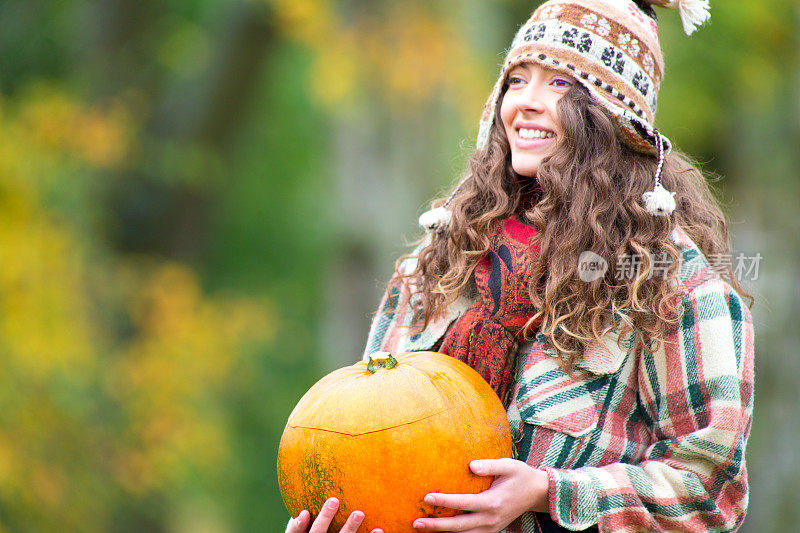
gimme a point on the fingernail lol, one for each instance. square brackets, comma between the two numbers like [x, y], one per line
[430, 499]
[418, 524]
[359, 516]
[332, 502]
[476, 466]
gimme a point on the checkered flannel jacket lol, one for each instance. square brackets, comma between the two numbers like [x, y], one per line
[640, 440]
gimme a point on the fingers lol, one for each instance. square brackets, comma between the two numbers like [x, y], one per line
[299, 524]
[494, 467]
[460, 522]
[325, 516]
[462, 502]
[480, 501]
[353, 521]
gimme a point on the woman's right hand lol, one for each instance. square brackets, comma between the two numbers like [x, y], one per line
[300, 524]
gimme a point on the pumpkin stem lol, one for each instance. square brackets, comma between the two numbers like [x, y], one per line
[381, 360]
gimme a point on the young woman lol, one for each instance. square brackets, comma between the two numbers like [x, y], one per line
[572, 268]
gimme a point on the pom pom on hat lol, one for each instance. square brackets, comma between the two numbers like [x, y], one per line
[694, 13]
[435, 220]
[659, 201]
[438, 219]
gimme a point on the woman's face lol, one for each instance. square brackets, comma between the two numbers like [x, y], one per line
[529, 114]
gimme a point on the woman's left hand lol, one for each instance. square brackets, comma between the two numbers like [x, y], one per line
[517, 488]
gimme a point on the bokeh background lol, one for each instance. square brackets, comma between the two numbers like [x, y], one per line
[200, 202]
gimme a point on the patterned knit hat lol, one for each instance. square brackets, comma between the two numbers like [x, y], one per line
[611, 47]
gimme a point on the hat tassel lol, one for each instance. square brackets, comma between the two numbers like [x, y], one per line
[694, 13]
[659, 201]
[436, 220]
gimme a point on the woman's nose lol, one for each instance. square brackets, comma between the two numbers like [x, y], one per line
[532, 98]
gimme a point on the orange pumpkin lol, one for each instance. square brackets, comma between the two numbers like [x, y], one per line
[381, 435]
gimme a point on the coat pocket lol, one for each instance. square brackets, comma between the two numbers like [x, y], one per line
[553, 399]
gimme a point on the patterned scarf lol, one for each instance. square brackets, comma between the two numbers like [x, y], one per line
[487, 335]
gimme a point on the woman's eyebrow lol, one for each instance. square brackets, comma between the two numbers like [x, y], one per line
[558, 73]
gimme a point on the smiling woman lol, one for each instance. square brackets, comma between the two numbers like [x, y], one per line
[530, 114]
[629, 393]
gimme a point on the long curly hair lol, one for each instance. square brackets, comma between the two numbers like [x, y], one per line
[586, 196]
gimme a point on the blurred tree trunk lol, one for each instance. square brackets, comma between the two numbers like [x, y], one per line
[197, 115]
[767, 154]
[209, 111]
[382, 170]
[387, 165]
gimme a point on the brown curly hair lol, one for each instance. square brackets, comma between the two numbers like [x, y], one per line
[586, 196]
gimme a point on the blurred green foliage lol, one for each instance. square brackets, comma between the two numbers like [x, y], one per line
[169, 220]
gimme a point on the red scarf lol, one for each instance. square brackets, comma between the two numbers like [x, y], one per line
[487, 335]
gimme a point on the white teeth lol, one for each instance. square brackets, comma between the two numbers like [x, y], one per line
[526, 133]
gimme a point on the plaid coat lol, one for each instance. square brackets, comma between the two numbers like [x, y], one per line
[641, 440]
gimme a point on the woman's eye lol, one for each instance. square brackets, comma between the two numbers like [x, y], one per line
[515, 80]
[562, 83]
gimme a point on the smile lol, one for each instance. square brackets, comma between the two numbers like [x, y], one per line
[527, 133]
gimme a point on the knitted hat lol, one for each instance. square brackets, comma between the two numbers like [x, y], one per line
[611, 47]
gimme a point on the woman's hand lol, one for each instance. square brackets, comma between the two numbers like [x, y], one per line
[301, 522]
[517, 488]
